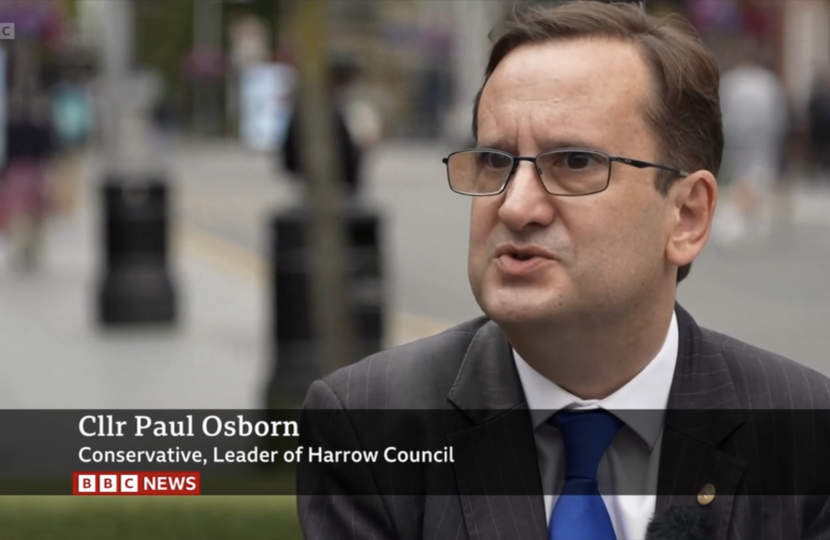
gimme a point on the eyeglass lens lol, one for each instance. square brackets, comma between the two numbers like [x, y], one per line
[563, 172]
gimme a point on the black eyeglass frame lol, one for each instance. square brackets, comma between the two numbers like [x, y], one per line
[640, 164]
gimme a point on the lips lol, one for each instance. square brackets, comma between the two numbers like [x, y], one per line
[523, 253]
[522, 261]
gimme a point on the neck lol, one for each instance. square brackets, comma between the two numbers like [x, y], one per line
[594, 358]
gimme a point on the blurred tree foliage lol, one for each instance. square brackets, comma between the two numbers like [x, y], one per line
[71, 7]
[163, 37]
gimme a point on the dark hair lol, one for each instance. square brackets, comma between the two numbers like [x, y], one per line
[684, 115]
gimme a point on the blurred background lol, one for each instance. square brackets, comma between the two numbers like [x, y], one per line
[209, 203]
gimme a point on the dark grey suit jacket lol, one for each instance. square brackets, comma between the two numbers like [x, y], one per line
[469, 369]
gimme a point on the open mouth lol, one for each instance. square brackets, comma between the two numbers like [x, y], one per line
[522, 256]
[522, 260]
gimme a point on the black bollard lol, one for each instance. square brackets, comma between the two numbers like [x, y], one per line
[293, 358]
[136, 287]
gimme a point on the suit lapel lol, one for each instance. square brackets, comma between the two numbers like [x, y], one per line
[496, 465]
[703, 411]
[498, 454]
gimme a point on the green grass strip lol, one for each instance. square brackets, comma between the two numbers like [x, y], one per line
[149, 518]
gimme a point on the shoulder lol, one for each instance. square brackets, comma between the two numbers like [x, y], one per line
[764, 379]
[417, 375]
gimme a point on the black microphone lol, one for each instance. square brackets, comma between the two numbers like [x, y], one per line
[679, 523]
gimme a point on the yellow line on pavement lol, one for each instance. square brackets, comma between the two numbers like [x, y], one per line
[243, 264]
[225, 255]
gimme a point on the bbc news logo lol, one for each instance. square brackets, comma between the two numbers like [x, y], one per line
[136, 483]
[6, 30]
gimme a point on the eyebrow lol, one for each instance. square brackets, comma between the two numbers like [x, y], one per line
[552, 143]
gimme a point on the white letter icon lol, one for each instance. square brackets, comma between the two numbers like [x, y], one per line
[129, 483]
[86, 483]
[108, 483]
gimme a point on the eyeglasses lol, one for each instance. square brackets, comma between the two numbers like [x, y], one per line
[566, 172]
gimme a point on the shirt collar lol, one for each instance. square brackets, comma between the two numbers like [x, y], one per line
[641, 403]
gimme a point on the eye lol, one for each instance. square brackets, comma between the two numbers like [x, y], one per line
[578, 160]
[494, 160]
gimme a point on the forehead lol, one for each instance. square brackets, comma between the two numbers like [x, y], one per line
[585, 92]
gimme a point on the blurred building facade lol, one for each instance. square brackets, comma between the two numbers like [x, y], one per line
[429, 56]
[794, 35]
[423, 59]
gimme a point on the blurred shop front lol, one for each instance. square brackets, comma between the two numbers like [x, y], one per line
[724, 23]
[794, 35]
[406, 44]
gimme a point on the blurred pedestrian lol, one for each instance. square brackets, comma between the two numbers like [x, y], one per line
[23, 182]
[818, 119]
[72, 120]
[435, 85]
[755, 124]
[356, 128]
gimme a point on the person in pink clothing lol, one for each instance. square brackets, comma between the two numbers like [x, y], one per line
[23, 183]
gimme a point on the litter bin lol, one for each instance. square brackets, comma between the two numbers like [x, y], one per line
[136, 287]
[292, 349]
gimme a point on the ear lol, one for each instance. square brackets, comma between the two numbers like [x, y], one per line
[692, 207]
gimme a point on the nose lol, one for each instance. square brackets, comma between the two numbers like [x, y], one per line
[526, 202]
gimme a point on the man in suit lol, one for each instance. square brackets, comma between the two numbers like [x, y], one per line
[585, 403]
[343, 74]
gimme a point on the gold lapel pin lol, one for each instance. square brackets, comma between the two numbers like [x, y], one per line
[706, 495]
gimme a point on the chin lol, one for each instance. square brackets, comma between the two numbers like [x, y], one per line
[509, 307]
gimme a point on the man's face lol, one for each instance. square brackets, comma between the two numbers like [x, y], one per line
[607, 249]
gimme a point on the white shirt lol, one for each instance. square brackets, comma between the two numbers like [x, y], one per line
[633, 458]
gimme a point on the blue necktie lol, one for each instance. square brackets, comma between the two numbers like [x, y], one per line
[580, 513]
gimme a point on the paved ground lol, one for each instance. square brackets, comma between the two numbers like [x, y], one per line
[53, 355]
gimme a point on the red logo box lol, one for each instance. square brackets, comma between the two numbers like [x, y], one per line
[137, 483]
